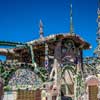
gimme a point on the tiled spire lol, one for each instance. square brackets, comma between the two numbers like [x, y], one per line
[97, 50]
[71, 18]
[41, 29]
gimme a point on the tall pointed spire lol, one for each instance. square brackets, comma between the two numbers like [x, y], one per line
[98, 19]
[97, 50]
[99, 4]
[71, 18]
[41, 29]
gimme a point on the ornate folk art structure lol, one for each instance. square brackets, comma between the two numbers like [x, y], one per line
[56, 58]
[92, 67]
[46, 67]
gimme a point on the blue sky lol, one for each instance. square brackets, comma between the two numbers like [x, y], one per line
[19, 19]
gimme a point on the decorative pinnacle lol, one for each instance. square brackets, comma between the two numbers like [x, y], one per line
[41, 29]
[98, 8]
[99, 4]
[98, 19]
[97, 50]
[71, 18]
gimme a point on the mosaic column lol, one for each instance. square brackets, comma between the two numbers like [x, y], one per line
[78, 80]
[46, 56]
[32, 54]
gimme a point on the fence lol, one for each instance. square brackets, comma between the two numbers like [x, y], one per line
[22, 95]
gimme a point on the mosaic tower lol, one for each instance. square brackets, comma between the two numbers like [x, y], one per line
[97, 50]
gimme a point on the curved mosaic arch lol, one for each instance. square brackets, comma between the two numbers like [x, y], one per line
[23, 77]
[8, 70]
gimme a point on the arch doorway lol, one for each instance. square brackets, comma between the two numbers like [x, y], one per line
[25, 80]
[92, 87]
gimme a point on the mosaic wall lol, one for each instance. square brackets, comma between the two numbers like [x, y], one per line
[23, 77]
